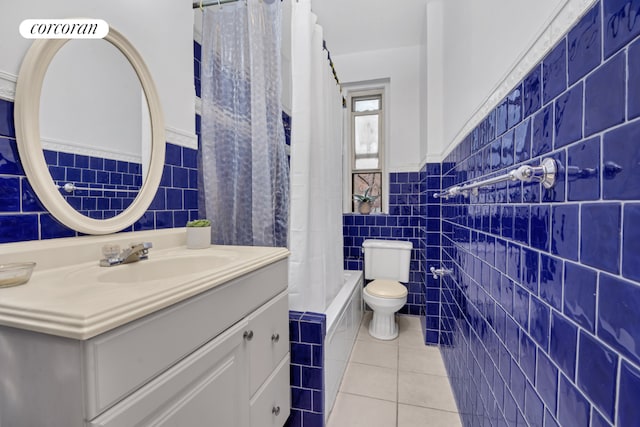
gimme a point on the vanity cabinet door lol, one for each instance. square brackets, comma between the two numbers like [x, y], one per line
[271, 405]
[124, 359]
[208, 388]
[269, 339]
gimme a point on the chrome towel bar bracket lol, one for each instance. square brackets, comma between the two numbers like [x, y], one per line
[440, 272]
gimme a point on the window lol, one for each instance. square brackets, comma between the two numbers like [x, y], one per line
[366, 123]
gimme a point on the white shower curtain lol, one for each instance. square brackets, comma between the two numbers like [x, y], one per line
[316, 243]
[244, 182]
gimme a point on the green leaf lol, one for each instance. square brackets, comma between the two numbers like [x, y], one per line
[199, 223]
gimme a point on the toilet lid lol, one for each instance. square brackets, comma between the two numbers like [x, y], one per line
[386, 289]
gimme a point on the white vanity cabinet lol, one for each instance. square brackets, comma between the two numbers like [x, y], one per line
[220, 358]
[207, 388]
[269, 364]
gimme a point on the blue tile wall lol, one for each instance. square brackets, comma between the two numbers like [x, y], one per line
[600, 236]
[568, 116]
[430, 257]
[554, 72]
[115, 183]
[542, 133]
[532, 87]
[286, 123]
[584, 41]
[621, 24]
[597, 371]
[583, 172]
[539, 322]
[628, 407]
[620, 155]
[631, 242]
[403, 222]
[604, 97]
[633, 102]
[197, 59]
[307, 331]
[414, 218]
[23, 217]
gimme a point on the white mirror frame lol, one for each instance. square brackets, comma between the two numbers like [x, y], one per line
[27, 124]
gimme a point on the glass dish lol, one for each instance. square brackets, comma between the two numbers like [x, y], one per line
[15, 274]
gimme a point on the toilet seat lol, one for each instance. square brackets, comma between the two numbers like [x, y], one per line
[386, 289]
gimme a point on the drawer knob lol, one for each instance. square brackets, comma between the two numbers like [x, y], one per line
[275, 410]
[275, 337]
[248, 335]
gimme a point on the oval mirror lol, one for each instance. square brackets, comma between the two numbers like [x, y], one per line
[95, 163]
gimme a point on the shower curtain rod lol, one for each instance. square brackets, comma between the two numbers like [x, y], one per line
[205, 3]
[197, 4]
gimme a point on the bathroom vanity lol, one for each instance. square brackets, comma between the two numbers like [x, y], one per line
[186, 338]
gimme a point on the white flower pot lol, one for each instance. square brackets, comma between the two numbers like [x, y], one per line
[198, 237]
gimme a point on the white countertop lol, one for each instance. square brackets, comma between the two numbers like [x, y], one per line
[80, 300]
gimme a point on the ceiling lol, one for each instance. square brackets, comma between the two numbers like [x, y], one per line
[363, 25]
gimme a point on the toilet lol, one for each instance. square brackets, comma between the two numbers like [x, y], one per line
[386, 262]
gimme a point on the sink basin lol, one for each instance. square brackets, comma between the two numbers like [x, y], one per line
[162, 268]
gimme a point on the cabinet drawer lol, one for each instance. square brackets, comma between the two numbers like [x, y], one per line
[121, 361]
[269, 327]
[207, 388]
[271, 405]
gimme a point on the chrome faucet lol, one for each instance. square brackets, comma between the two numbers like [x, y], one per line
[134, 253]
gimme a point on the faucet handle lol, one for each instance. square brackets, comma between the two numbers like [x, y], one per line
[111, 254]
[110, 251]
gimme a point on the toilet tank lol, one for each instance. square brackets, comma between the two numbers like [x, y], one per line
[387, 259]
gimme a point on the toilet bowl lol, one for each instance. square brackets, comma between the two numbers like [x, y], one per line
[385, 298]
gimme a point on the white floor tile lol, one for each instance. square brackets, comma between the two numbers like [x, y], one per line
[411, 338]
[370, 381]
[406, 323]
[357, 411]
[429, 391]
[427, 360]
[374, 353]
[398, 383]
[415, 416]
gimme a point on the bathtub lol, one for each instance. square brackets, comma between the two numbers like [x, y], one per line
[343, 321]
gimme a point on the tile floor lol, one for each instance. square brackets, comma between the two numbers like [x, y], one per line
[400, 383]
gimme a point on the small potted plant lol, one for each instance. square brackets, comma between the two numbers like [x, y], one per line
[365, 201]
[198, 234]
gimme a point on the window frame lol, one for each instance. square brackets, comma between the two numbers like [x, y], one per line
[361, 94]
[380, 113]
